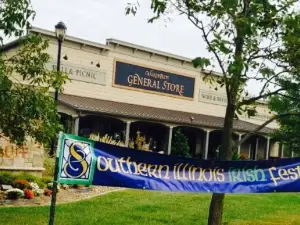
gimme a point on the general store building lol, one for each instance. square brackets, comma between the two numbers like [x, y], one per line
[125, 90]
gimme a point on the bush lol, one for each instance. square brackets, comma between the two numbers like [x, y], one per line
[14, 193]
[180, 145]
[21, 184]
[47, 179]
[49, 164]
[27, 176]
[28, 194]
[7, 178]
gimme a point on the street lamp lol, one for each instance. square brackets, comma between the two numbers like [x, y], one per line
[60, 32]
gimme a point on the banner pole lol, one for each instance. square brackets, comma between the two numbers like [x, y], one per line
[54, 187]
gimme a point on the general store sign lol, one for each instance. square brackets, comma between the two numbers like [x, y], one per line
[156, 81]
[80, 73]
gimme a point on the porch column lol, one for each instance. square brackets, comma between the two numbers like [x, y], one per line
[76, 126]
[239, 147]
[256, 148]
[281, 154]
[170, 140]
[206, 144]
[127, 133]
[268, 148]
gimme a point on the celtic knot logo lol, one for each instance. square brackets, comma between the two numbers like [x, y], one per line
[76, 160]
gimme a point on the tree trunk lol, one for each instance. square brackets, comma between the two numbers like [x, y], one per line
[217, 201]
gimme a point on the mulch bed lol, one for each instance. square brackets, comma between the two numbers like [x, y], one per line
[63, 196]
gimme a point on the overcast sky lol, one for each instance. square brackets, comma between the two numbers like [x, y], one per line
[98, 20]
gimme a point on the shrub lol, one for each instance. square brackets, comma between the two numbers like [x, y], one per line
[7, 178]
[49, 164]
[47, 192]
[28, 194]
[14, 193]
[21, 184]
[46, 179]
[27, 176]
[180, 145]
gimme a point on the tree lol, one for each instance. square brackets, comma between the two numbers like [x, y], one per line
[26, 106]
[288, 102]
[244, 38]
[180, 145]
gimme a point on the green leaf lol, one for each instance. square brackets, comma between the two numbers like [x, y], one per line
[200, 62]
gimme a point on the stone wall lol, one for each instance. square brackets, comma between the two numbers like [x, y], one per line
[27, 158]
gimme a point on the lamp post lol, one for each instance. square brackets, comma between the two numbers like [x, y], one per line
[60, 32]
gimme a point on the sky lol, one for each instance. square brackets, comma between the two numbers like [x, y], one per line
[98, 20]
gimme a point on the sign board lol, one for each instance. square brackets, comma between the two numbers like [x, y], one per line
[80, 73]
[151, 80]
[83, 161]
[212, 97]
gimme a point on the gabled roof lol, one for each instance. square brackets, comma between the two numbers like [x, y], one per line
[133, 111]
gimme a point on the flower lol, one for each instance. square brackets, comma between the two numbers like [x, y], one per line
[34, 186]
[38, 192]
[14, 193]
[47, 192]
[21, 184]
[29, 194]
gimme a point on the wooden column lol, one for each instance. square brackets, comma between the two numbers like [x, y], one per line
[127, 133]
[206, 144]
[170, 140]
[239, 147]
[267, 149]
[76, 126]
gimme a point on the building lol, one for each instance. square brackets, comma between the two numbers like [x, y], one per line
[126, 90]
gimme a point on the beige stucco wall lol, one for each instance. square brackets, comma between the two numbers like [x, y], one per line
[86, 57]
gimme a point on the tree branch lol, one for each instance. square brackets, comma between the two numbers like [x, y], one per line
[248, 135]
[251, 100]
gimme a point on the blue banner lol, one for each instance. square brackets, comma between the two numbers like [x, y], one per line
[83, 161]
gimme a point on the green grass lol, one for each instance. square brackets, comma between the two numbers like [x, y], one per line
[145, 207]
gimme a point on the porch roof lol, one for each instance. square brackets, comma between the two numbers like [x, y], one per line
[133, 111]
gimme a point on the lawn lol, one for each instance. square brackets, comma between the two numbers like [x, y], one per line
[133, 207]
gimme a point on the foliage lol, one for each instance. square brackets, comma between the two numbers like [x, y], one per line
[7, 178]
[235, 156]
[49, 164]
[46, 179]
[14, 193]
[180, 146]
[27, 108]
[28, 194]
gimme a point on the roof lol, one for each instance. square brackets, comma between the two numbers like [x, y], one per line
[146, 49]
[52, 34]
[120, 109]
